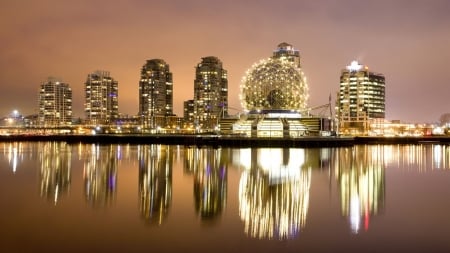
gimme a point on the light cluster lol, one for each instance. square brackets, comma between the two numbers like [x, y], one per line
[274, 84]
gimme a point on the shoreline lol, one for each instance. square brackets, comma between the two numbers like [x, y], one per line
[227, 141]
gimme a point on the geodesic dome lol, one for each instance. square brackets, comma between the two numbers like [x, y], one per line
[274, 84]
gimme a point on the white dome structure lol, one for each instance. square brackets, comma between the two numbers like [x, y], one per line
[274, 84]
[274, 95]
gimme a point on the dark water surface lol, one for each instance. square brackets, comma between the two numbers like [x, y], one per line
[57, 197]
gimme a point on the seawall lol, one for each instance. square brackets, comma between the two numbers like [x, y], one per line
[228, 141]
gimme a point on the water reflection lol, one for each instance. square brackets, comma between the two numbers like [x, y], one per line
[100, 175]
[55, 163]
[361, 179]
[209, 166]
[13, 152]
[274, 192]
[274, 183]
[155, 182]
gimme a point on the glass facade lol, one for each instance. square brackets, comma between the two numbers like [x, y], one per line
[361, 98]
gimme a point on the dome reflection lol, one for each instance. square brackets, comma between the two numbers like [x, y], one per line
[274, 199]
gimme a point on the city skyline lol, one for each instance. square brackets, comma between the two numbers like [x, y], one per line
[406, 41]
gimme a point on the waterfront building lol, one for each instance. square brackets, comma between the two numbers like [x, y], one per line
[101, 99]
[210, 93]
[55, 104]
[188, 111]
[274, 94]
[361, 99]
[155, 93]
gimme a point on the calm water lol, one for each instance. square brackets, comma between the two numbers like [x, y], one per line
[57, 197]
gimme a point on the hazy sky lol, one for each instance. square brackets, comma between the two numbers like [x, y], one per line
[406, 40]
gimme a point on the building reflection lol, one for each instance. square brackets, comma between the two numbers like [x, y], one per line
[274, 191]
[100, 175]
[360, 174]
[209, 167]
[55, 163]
[155, 182]
[13, 151]
[190, 161]
[423, 157]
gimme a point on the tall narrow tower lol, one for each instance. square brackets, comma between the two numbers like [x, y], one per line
[55, 104]
[361, 99]
[210, 93]
[101, 98]
[155, 92]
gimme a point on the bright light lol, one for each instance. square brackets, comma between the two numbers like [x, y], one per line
[354, 66]
[274, 84]
[438, 131]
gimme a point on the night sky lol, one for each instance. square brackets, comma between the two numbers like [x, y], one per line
[406, 40]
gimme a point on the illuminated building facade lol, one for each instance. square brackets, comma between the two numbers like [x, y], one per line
[101, 98]
[361, 99]
[55, 104]
[188, 110]
[274, 95]
[210, 93]
[155, 93]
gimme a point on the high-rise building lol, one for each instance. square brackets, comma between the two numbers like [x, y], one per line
[210, 93]
[55, 104]
[361, 99]
[155, 92]
[101, 98]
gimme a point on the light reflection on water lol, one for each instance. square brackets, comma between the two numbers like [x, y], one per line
[155, 182]
[275, 190]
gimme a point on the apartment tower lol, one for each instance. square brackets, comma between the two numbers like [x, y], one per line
[155, 93]
[210, 93]
[55, 104]
[101, 99]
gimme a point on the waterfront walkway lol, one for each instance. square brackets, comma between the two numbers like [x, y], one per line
[228, 141]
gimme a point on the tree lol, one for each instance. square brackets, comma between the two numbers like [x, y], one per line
[445, 118]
